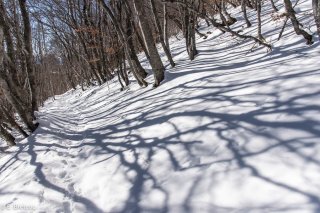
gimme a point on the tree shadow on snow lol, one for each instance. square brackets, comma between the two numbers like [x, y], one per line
[262, 119]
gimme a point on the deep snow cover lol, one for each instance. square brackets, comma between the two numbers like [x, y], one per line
[232, 131]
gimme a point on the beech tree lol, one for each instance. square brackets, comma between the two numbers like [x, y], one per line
[160, 33]
[155, 60]
[295, 22]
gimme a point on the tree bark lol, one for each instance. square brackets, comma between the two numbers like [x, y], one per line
[165, 25]
[316, 13]
[133, 54]
[295, 22]
[259, 20]
[188, 20]
[275, 9]
[11, 97]
[231, 20]
[29, 55]
[9, 117]
[124, 39]
[7, 136]
[160, 33]
[155, 60]
[244, 11]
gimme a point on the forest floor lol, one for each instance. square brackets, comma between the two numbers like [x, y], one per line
[235, 130]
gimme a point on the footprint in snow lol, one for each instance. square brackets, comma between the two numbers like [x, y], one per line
[66, 208]
[195, 161]
[61, 153]
[62, 174]
[41, 196]
[26, 183]
[71, 188]
[262, 129]
[280, 116]
[64, 162]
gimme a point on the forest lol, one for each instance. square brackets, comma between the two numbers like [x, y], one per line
[159, 106]
[49, 47]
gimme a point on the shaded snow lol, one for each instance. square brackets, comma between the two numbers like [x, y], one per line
[231, 131]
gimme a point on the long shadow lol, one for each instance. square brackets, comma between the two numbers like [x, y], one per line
[90, 205]
[126, 117]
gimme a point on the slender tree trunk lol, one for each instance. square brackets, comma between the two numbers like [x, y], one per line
[10, 119]
[256, 4]
[6, 89]
[316, 13]
[140, 40]
[295, 22]
[133, 54]
[192, 37]
[130, 26]
[259, 20]
[26, 118]
[119, 79]
[29, 55]
[244, 11]
[165, 25]
[275, 9]
[155, 60]
[231, 20]
[7, 136]
[124, 70]
[160, 33]
[188, 19]
[9, 40]
[124, 39]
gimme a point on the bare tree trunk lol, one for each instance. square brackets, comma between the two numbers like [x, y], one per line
[231, 20]
[123, 68]
[259, 20]
[224, 29]
[256, 4]
[9, 40]
[275, 9]
[124, 39]
[13, 100]
[140, 40]
[119, 79]
[295, 22]
[165, 25]
[133, 55]
[244, 10]
[26, 117]
[29, 55]
[131, 26]
[192, 37]
[316, 13]
[160, 33]
[9, 117]
[155, 60]
[188, 19]
[7, 136]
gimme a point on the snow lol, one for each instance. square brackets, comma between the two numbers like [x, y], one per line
[232, 131]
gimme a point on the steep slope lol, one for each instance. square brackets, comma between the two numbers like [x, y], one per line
[235, 130]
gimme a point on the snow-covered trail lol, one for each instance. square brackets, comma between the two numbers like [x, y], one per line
[231, 131]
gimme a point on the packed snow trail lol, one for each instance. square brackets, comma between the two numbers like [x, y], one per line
[231, 131]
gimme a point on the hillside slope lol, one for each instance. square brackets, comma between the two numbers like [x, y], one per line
[234, 130]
